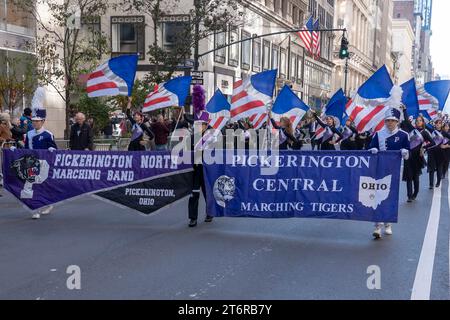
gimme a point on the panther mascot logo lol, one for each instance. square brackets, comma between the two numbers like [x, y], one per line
[30, 170]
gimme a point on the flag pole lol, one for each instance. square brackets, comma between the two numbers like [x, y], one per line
[176, 125]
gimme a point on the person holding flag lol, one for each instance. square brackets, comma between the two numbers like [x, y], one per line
[389, 138]
[420, 139]
[436, 155]
[200, 120]
[287, 138]
[349, 134]
[139, 129]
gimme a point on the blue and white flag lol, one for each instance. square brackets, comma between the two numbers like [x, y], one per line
[113, 78]
[288, 104]
[219, 110]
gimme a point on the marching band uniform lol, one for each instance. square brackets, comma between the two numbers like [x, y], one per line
[349, 134]
[446, 135]
[412, 169]
[386, 140]
[39, 138]
[325, 144]
[436, 158]
[284, 136]
[198, 179]
[137, 135]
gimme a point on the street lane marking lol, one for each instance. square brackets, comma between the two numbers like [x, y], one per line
[424, 274]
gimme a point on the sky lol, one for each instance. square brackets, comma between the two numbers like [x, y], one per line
[440, 41]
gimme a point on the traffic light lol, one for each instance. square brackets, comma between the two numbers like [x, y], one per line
[343, 52]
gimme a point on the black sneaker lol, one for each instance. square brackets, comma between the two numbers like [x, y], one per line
[192, 223]
[209, 219]
[409, 200]
[438, 185]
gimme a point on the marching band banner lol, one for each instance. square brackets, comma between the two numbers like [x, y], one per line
[333, 185]
[144, 181]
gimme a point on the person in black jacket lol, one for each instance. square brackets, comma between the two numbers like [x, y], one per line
[81, 134]
[139, 128]
[420, 139]
[436, 155]
[446, 147]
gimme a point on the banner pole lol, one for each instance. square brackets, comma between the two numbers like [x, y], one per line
[176, 125]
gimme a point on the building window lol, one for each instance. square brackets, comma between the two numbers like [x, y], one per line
[313, 8]
[275, 57]
[174, 29]
[293, 71]
[128, 36]
[246, 50]
[233, 51]
[91, 32]
[256, 55]
[266, 55]
[277, 6]
[14, 19]
[299, 69]
[283, 63]
[220, 40]
[284, 8]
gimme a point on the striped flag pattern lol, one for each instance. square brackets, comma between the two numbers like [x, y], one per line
[160, 98]
[258, 120]
[253, 95]
[316, 39]
[307, 35]
[103, 82]
[114, 77]
[427, 104]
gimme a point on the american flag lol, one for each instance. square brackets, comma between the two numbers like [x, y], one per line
[316, 39]
[253, 95]
[308, 35]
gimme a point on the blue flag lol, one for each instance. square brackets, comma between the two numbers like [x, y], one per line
[409, 98]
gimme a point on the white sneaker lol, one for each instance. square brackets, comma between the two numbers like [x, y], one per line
[35, 216]
[377, 233]
[388, 230]
[47, 210]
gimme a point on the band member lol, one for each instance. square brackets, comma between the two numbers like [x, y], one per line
[436, 155]
[201, 117]
[286, 133]
[349, 134]
[389, 138]
[420, 140]
[39, 138]
[139, 129]
[446, 147]
[327, 141]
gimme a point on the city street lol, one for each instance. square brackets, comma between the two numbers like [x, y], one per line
[124, 255]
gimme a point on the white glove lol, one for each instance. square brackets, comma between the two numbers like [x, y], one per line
[405, 154]
[374, 151]
[51, 149]
[12, 148]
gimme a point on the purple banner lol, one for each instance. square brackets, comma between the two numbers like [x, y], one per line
[39, 178]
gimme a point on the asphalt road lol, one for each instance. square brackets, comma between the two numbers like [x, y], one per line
[124, 255]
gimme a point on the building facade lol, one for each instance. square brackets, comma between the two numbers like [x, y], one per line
[17, 38]
[356, 17]
[419, 13]
[402, 50]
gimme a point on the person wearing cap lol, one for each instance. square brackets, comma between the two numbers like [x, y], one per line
[40, 139]
[200, 121]
[388, 139]
[139, 129]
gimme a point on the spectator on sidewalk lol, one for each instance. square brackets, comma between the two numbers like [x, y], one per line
[161, 131]
[81, 134]
[25, 120]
